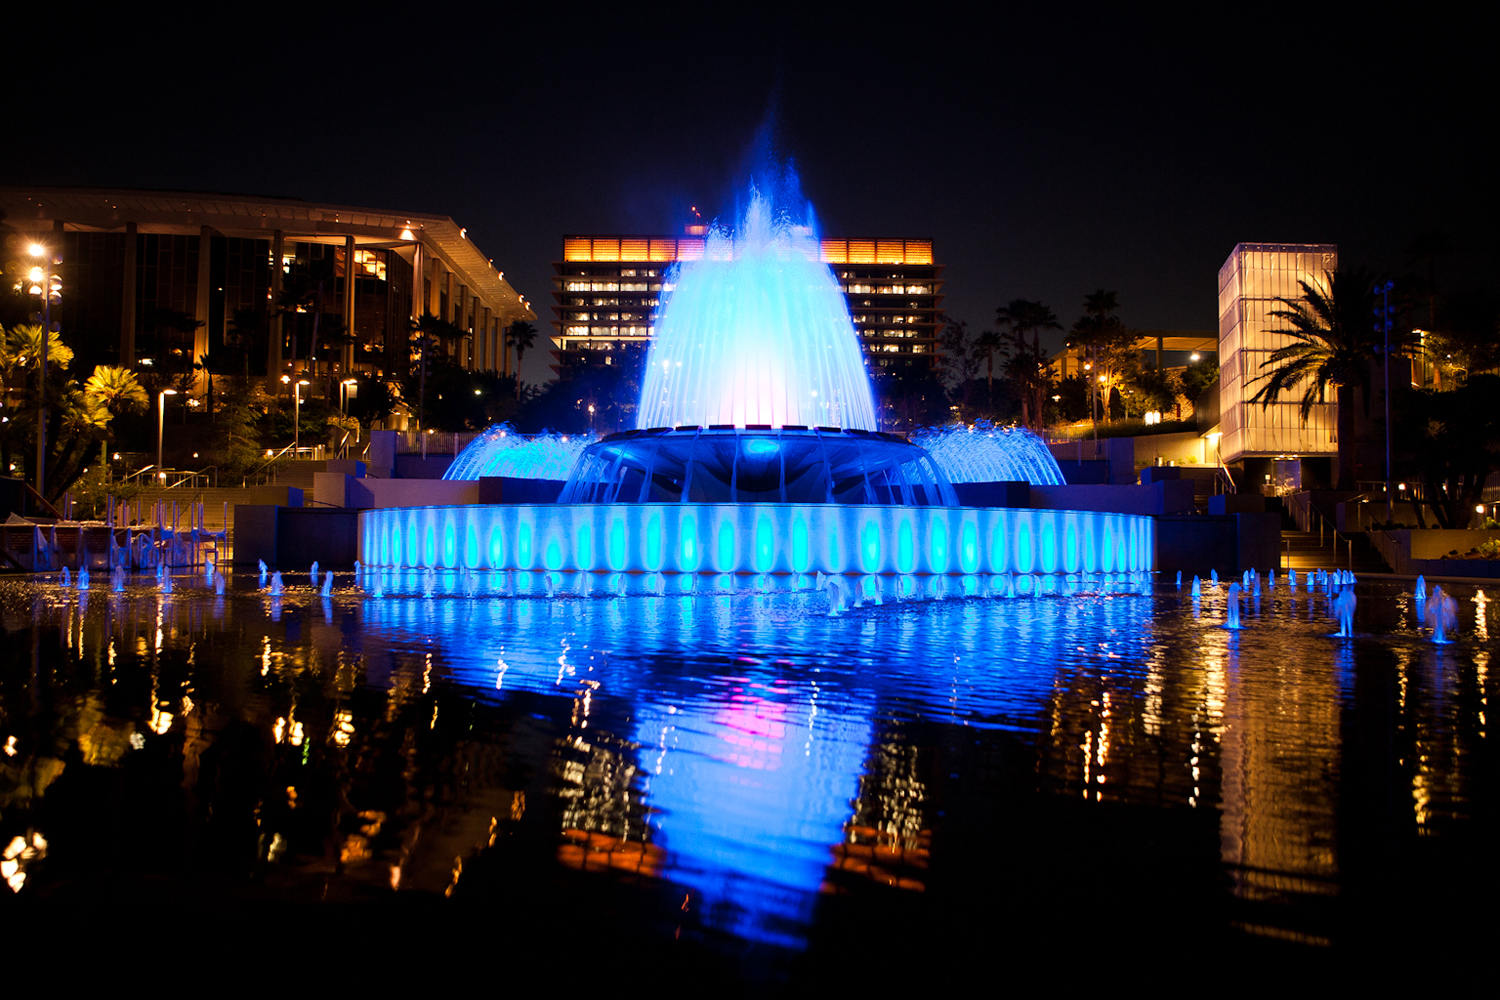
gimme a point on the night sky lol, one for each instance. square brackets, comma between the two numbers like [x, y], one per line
[1045, 156]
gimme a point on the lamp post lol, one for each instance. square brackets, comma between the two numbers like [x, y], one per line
[1383, 316]
[161, 426]
[48, 286]
[297, 416]
[344, 387]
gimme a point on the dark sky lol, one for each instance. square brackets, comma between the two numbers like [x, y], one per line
[1045, 155]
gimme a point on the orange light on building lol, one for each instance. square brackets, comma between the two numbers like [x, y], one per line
[861, 251]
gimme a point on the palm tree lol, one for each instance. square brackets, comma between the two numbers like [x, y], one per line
[1109, 341]
[521, 335]
[989, 342]
[1332, 342]
[1023, 316]
[118, 391]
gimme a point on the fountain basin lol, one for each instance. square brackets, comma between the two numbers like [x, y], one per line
[755, 538]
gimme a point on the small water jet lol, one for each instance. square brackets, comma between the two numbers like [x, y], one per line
[314, 574]
[1179, 579]
[117, 579]
[1213, 578]
[1443, 610]
[1421, 589]
[1197, 587]
[65, 577]
[1343, 609]
[1291, 579]
[1232, 607]
[328, 583]
[83, 578]
[276, 585]
[218, 582]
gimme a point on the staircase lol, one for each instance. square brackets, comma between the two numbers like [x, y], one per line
[1303, 550]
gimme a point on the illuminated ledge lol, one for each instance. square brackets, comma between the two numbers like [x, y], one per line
[872, 588]
[755, 538]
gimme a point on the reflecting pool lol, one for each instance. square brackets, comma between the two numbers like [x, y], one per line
[956, 763]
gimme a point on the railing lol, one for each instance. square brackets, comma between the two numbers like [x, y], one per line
[438, 442]
[270, 460]
[170, 479]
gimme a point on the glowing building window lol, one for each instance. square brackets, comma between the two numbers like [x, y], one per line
[370, 263]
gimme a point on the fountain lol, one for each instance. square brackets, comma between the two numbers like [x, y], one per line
[65, 577]
[276, 585]
[1443, 610]
[756, 451]
[327, 582]
[1232, 607]
[1197, 587]
[1343, 609]
[1421, 588]
[117, 579]
[83, 578]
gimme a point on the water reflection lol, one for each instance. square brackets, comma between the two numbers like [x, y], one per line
[732, 741]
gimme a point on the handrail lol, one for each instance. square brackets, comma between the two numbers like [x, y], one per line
[268, 461]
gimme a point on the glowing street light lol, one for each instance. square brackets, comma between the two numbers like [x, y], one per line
[49, 287]
[344, 388]
[297, 414]
[161, 426]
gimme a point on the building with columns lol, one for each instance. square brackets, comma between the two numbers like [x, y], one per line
[266, 287]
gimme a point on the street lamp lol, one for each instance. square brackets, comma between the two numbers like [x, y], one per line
[297, 415]
[344, 388]
[161, 426]
[49, 287]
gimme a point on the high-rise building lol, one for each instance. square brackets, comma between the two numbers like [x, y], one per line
[1252, 284]
[608, 290]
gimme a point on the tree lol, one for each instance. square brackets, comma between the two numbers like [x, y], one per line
[520, 335]
[1332, 343]
[1023, 316]
[1026, 368]
[959, 360]
[428, 332]
[990, 342]
[1109, 344]
[1452, 440]
[119, 392]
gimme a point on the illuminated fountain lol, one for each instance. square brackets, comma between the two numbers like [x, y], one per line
[757, 451]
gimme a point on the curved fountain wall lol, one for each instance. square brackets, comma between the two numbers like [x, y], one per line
[755, 538]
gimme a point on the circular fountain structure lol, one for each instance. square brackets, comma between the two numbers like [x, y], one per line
[757, 451]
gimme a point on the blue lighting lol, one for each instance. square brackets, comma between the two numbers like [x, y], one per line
[761, 446]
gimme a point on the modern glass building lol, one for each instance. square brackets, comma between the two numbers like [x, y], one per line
[1251, 282]
[608, 290]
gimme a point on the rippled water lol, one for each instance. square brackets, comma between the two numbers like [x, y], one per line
[738, 770]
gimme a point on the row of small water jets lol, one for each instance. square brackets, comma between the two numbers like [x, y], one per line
[1439, 609]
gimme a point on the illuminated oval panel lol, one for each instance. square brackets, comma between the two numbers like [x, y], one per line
[471, 547]
[765, 545]
[523, 545]
[968, 547]
[726, 546]
[801, 553]
[653, 542]
[687, 556]
[617, 543]
[583, 555]
[869, 547]
[937, 558]
[1024, 552]
[1049, 543]
[906, 547]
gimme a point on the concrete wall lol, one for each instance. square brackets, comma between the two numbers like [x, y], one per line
[420, 467]
[1118, 452]
[1412, 553]
[1228, 543]
[998, 494]
[292, 537]
[505, 489]
[1167, 497]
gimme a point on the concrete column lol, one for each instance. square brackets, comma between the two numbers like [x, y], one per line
[487, 356]
[200, 313]
[347, 358]
[274, 329]
[127, 300]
